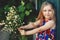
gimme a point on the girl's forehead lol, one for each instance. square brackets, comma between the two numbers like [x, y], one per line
[47, 7]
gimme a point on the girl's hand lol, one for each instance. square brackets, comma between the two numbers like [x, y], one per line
[2, 23]
[21, 31]
[22, 27]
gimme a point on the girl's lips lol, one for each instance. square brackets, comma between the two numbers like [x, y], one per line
[48, 15]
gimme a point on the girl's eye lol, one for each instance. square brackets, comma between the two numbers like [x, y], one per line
[49, 10]
[44, 10]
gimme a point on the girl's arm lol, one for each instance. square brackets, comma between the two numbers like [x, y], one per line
[2, 23]
[31, 25]
[48, 25]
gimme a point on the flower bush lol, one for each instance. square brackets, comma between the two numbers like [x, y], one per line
[15, 17]
[13, 20]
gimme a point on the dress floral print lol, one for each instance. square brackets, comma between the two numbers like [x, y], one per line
[46, 35]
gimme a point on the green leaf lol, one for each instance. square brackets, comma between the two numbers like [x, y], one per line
[21, 8]
[22, 3]
[24, 38]
[6, 8]
[28, 6]
[27, 13]
[22, 16]
[30, 10]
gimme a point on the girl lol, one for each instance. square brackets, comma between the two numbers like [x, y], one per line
[44, 26]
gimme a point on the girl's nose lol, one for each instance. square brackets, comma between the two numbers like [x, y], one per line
[47, 12]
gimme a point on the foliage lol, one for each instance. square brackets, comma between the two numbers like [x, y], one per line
[15, 17]
[12, 19]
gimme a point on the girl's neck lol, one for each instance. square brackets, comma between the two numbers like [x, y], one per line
[46, 19]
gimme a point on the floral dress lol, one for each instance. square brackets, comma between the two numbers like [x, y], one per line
[46, 35]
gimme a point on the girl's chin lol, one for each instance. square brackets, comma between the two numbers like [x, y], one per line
[47, 17]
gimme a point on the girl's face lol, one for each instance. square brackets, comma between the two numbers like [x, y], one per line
[48, 11]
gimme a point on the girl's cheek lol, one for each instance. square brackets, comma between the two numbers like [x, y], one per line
[44, 14]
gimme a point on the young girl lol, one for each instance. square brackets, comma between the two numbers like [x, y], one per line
[44, 26]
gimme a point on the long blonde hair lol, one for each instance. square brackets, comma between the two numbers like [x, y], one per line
[40, 15]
